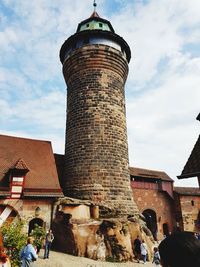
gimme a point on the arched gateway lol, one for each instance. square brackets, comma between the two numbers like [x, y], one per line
[151, 221]
[34, 222]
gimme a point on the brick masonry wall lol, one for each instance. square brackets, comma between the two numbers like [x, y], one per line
[190, 212]
[25, 209]
[158, 202]
[96, 154]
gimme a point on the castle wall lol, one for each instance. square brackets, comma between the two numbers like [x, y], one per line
[25, 209]
[158, 202]
[29, 207]
[190, 207]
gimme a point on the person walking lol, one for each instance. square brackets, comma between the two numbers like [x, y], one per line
[28, 253]
[156, 257]
[136, 248]
[144, 252]
[48, 241]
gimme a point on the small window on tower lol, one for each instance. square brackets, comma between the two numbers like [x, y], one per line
[192, 202]
[100, 25]
[87, 25]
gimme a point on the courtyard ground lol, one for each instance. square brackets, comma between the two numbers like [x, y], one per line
[57, 259]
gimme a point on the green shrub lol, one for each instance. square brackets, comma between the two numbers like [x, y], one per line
[38, 233]
[13, 240]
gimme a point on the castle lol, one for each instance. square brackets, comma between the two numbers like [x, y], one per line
[93, 178]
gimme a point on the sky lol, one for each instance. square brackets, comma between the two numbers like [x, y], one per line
[162, 89]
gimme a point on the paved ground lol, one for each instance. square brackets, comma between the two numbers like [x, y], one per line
[57, 259]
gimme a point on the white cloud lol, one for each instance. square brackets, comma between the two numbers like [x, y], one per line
[155, 32]
[161, 122]
[163, 83]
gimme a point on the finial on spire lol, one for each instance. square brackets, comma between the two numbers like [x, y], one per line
[94, 5]
[94, 14]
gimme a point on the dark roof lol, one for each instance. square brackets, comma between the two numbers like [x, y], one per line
[60, 161]
[198, 117]
[149, 174]
[192, 166]
[95, 33]
[35, 156]
[190, 191]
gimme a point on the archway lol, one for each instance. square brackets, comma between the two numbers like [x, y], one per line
[151, 221]
[33, 223]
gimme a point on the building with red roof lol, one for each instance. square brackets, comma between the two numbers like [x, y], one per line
[29, 184]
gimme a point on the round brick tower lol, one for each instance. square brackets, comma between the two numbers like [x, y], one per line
[95, 67]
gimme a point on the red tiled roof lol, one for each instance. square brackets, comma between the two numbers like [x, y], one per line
[20, 165]
[94, 15]
[192, 166]
[39, 158]
[149, 174]
[190, 191]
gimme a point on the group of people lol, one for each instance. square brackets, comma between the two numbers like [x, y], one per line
[29, 253]
[181, 249]
[140, 250]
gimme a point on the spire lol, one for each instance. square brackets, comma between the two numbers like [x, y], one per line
[94, 5]
[94, 14]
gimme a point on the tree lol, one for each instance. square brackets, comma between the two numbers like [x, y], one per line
[13, 240]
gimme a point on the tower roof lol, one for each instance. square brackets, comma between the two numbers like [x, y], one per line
[192, 166]
[95, 15]
[90, 30]
[95, 22]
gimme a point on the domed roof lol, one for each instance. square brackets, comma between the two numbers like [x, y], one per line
[91, 30]
[95, 22]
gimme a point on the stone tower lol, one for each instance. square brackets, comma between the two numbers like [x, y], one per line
[95, 67]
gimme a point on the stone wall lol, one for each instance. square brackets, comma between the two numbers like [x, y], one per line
[160, 203]
[45, 214]
[25, 210]
[96, 154]
[190, 207]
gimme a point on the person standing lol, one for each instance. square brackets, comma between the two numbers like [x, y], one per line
[156, 257]
[143, 248]
[48, 241]
[136, 248]
[28, 253]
